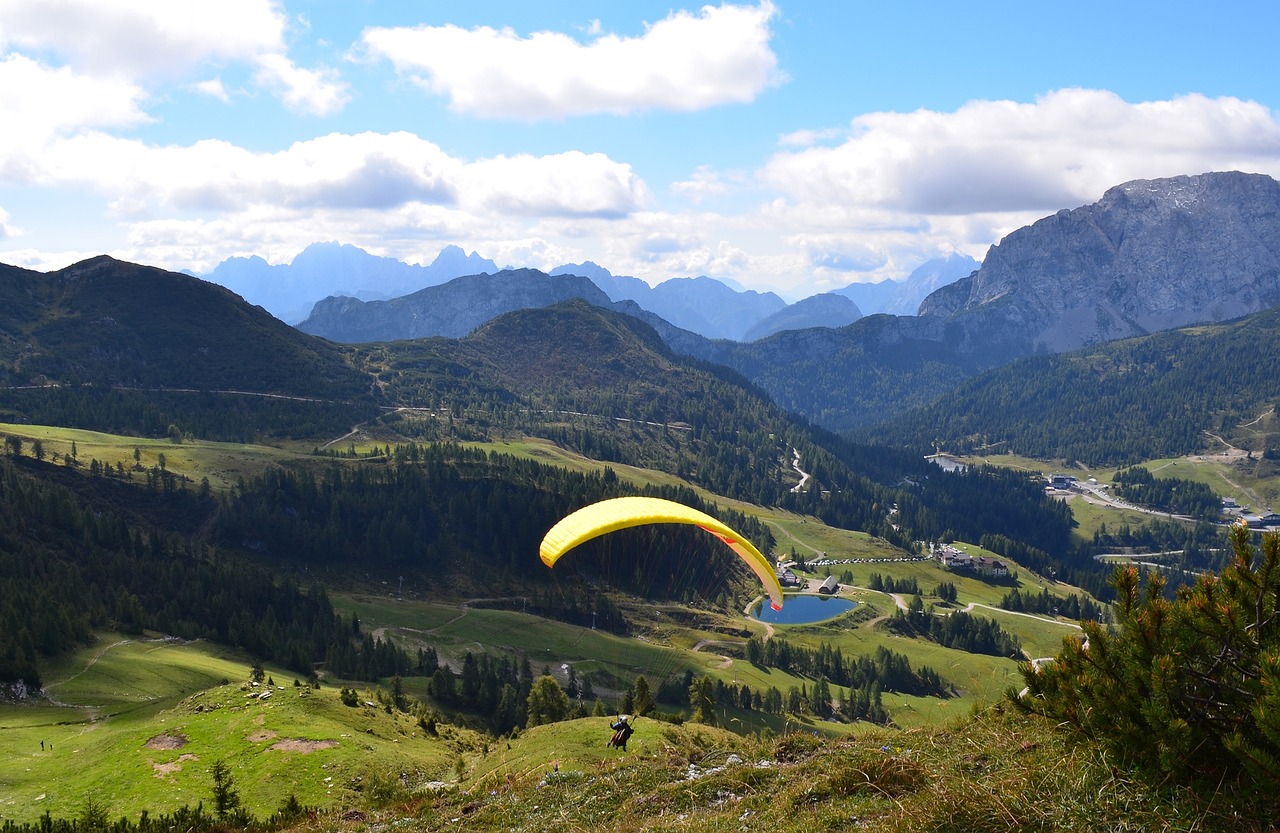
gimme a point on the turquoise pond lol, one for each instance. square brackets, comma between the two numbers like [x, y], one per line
[803, 609]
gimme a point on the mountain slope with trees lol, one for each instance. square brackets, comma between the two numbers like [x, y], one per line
[106, 322]
[605, 385]
[1150, 256]
[1123, 402]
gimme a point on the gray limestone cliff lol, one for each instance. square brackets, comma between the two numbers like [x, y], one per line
[1150, 255]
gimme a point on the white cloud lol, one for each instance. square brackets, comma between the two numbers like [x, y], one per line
[38, 103]
[841, 255]
[893, 191]
[42, 261]
[311, 91]
[149, 40]
[191, 206]
[141, 38]
[367, 170]
[6, 231]
[214, 88]
[1063, 150]
[339, 171]
[564, 184]
[807, 138]
[703, 184]
[683, 62]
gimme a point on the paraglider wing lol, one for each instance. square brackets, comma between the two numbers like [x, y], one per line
[622, 512]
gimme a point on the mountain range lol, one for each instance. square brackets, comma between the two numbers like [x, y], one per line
[905, 296]
[452, 309]
[710, 307]
[289, 291]
[1149, 256]
[553, 394]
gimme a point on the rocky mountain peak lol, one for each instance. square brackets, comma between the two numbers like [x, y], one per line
[1150, 255]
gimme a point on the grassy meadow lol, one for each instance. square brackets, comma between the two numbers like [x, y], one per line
[136, 723]
[222, 463]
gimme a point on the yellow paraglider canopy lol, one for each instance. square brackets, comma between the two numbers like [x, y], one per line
[617, 513]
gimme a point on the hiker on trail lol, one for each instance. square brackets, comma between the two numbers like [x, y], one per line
[621, 732]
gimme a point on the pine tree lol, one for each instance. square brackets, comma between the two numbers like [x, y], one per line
[547, 702]
[225, 798]
[643, 703]
[1188, 688]
[702, 696]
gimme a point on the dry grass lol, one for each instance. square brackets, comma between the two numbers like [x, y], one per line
[994, 771]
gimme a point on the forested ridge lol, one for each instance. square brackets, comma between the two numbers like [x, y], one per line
[107, 322]
[208, 415]
[591, 380]
[70, 564]
[69, 567]
[452, 514]
[1122, 402]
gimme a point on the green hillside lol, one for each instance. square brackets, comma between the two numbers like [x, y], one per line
[354, 529]
[1167, 394]
[106, 322]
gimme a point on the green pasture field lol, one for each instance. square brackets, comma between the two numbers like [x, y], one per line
[574, 748]
[1250, 482]
[122, 694]
[1040, 636]
[1214, 471]
[137, 724]
[126, 701]
[547, 452]
[222, 463]
[980, 679]
[453, 630]
[810, 538]
[1090, 517]
[610, 660]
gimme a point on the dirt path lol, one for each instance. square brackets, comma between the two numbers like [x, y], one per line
[804, 475]
[90, 664]
[702, 643]
[787, 533]
[91, 713]
[355, 429]
[969, 609]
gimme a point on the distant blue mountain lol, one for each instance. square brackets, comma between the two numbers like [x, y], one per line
[702, 305]
[710, 307]
[826, 310]
[904, 297]
[289, 291]
[451, 309]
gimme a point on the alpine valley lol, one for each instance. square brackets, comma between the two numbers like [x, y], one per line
[306, 556]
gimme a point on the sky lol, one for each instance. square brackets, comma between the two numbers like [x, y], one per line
[795, 146]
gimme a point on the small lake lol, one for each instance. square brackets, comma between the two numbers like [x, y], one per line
[803, 609]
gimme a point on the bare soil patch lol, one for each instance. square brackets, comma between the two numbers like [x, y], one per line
[173, 766]
[261, 736]
[299, 745]
[167, 742]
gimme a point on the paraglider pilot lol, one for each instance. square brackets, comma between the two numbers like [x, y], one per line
[621, 732]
